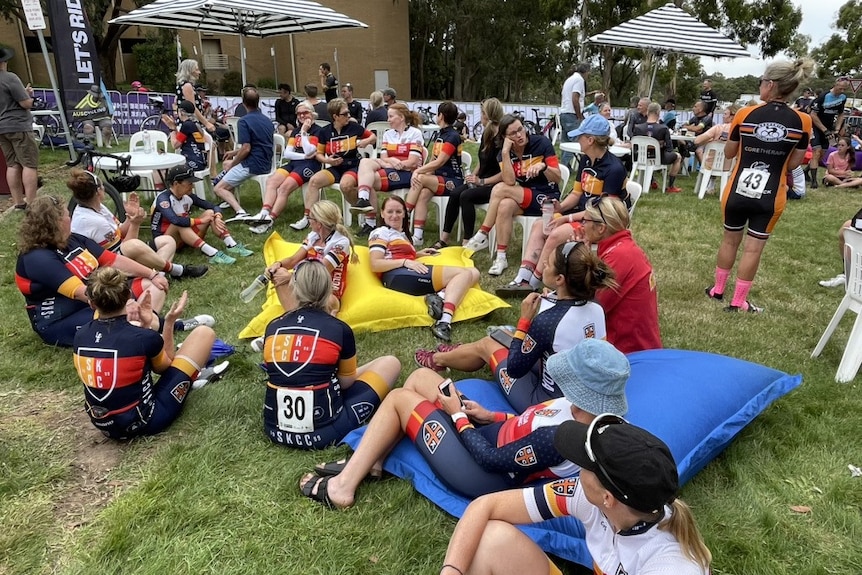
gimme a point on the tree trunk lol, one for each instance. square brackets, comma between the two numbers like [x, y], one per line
[645, 75]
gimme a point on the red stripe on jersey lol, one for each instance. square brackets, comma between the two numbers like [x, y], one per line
[300, 348]
[25, 286]
[108, 372]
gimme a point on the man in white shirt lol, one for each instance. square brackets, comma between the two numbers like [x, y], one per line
[572, 104]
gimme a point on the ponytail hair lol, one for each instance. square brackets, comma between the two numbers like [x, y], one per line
[410, 117]
[585, 273]
[788, 75]
[108, 290]
[329, 215]
[683, 527]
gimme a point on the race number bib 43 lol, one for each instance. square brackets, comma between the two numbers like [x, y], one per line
[295, 409]
[752, 183]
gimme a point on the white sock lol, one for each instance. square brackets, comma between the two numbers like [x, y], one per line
[535, 282]
[176, 270]
[364, 194]
[208, 250]
[501, 255]
[229, 241]
[264, 212]
[447, 317]
[371, 221]
[523, 275]
[418, 233]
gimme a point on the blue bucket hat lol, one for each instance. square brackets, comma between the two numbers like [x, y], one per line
[592, 375]
[595, 125]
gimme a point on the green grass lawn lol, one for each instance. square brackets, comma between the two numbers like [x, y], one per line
[213, 495]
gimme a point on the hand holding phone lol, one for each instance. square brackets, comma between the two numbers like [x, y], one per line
[446, 387]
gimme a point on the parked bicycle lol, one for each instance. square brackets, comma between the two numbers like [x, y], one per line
[426, 114]
[120, 182]
[545, 126]
[156, 117]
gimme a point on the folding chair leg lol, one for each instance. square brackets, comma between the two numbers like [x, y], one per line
[833, 323]
[852, 357]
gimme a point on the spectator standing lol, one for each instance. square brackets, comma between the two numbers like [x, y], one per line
[285, 109]
[16, 134]
[803, 103]
[708, 96]
[328, 82]
[378, 111]
[319, 106]
[254, 157]
[827, 119]
[353, 107]
[572, 104]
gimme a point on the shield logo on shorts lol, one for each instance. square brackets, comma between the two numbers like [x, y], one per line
[98, 369]
[564, 487]
[526, 456]
[363, 411]
[307, 173]
[394, 176]
[292, 348]
[432, 435]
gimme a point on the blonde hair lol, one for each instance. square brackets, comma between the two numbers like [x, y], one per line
[108, 289]
[684, 529]
[40, 227]
[308, 107]
[376, 99]
[611, 211]
[329, 215]
[493, 110]
[312, 285]
[787, 75]
[184, 73]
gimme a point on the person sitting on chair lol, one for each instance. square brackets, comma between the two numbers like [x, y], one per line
[654, 129]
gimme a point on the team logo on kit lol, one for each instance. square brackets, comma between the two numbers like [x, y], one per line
[450, 185]
[179, 392]
[590, 330]
[526, 456]
[770, 132]
[394, 176]
[528, 344]
[432, 435]
[506, 382]
[564, 487]
[546, 412]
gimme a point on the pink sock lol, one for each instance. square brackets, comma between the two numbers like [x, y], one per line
[721, 276]
[740, 294]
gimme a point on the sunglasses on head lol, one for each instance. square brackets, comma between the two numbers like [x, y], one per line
[567, 249]
[597, 427]
[597, 204]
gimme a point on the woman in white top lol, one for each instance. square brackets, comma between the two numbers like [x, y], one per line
[625, 497]
[402, 151]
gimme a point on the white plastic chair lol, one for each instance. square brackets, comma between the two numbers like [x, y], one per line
[852, 301]
[159, 141]
[442, 201]
[558, 130]
[713, 156]
[233, 128]
[278, 144]
[634, 190]
[526, 222]
[646, 157]
[346, 214]
[378, 128]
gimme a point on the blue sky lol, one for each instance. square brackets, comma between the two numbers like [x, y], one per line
[818, 17]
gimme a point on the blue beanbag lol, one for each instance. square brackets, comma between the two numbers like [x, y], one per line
[695, 402]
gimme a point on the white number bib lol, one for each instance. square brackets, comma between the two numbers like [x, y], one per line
[752, 183]
[295, 409]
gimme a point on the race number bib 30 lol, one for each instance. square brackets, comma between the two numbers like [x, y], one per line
[752, 183]
[295, 409]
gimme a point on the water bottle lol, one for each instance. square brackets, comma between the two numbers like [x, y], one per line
[148, 143]
[470, 185]
[254, 288]
[547, 215]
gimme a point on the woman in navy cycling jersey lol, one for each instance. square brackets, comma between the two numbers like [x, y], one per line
[315, 392]
[549, 324]
[469, 448]
[116, 360]
[53, 267]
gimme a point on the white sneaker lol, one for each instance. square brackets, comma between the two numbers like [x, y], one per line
[191, 323]
[300, 224]
[210, 374]
[499, 265]
[478, 242]
[224, 205]
[260, 228]
[837, 281]
[417, 242]
[257, 344]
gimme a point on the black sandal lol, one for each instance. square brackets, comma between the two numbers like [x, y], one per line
[333, 468]
[320, 493]
[439, 245]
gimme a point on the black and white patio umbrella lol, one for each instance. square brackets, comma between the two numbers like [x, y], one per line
[254, 18]
[668, 30]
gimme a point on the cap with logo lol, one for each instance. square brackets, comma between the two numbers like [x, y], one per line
[182, 174]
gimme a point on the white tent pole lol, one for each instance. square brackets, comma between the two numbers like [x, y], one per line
[242, 57]
[293, 63]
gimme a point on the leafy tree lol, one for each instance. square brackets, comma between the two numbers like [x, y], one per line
[107, 36]
[842, 52]
[155, 56]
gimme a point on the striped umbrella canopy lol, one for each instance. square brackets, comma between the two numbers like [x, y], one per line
[256, 18]
[670, 29]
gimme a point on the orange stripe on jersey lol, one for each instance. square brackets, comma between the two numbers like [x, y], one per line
[161, 362]
[68, 287]
[109, 372]
[497, 357]
[520, 167]
[340, 145]
[287, 347]
[347, 367]
[401, 151]
[83, 264]
[417, 416]
[558, 493]
[441, 148]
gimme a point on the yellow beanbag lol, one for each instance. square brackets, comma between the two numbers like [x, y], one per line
[367, 305]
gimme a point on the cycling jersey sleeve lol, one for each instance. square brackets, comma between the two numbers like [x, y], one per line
[528, 454]
[163, 206]
[530, 343]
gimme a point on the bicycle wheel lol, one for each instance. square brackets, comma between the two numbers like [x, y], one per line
[114, 201]
[531, 127]
[478, 129]
[154, 122]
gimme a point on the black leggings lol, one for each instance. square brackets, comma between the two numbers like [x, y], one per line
[464, 199]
